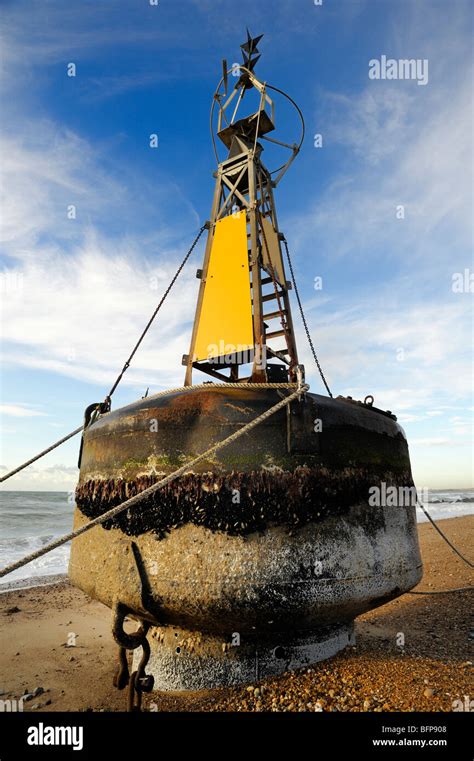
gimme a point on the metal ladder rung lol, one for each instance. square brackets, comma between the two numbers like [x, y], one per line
[276, 334]
[272, 296]
[272, 315]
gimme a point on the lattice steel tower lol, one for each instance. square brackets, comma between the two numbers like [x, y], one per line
[243, 314]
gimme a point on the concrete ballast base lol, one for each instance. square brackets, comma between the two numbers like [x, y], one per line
[185, 660]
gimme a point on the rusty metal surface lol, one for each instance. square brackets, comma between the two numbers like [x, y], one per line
[196, 558]
[286, 473]
[154, 436]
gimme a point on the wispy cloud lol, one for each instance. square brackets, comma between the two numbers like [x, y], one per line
[52, 478]
[20, 410]
[386, 323]
[74, 298]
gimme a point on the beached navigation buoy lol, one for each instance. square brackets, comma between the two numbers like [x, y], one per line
[258, 559]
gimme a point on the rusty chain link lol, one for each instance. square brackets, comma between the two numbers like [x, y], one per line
[139, 681]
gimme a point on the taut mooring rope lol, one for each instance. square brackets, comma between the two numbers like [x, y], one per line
[125, 367]
[159, 485]
[197, 386]
[459, 554]
[41, 454]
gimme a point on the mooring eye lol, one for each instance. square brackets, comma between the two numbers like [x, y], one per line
[279, 652]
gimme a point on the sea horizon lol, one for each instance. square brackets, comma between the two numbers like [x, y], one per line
[29, 519]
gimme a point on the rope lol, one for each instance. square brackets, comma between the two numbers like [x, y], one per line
[459, 554]
[129, 503]
[125, 367]
[210, 385]
[198, 386]
[177, 273]
[305, 324]
[41, 454]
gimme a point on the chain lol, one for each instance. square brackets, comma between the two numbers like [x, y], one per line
[308, 336]
[105, 405]
[139, 681]
[274, 282]
[176, 275]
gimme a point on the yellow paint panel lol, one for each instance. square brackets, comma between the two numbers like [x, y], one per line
[225, 323]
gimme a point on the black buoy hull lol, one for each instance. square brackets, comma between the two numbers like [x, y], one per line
[277, 535]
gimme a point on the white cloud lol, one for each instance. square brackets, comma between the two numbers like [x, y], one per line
[80, 316]
[74, 299]
[82, 296]
[44, 170]
[20, 410]
[401, 150]
[33, 478]
[430, 442]
[359, 349]
[397, 144]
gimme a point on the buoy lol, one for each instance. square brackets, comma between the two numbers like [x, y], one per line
[258, 559]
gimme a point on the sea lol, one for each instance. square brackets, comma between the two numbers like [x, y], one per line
[31, 519]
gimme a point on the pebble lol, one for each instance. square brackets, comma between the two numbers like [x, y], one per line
[428, 693]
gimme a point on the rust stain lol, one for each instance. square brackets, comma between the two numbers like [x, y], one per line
[247, 410]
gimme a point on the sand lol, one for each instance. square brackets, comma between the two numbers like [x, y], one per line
[39, 625]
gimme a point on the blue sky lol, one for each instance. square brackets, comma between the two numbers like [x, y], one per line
[77, 292]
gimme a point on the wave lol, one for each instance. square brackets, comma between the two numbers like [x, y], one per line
[51, 515]
[450, 501]
[54, 563]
